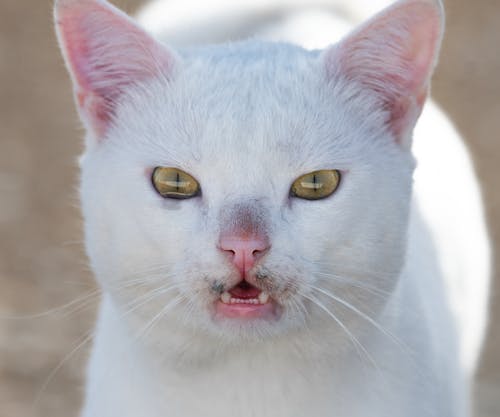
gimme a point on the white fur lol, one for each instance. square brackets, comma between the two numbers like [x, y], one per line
[417, 272]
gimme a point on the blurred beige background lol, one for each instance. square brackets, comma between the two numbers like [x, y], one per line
[42, 264]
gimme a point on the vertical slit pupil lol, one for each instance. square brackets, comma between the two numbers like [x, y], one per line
[177, 180]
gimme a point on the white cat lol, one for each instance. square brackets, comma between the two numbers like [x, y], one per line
[249, 213]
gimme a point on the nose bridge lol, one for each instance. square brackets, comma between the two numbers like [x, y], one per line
[244, 233]
[244, 219]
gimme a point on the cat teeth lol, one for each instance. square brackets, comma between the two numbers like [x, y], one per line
[263, 297]
[226, 298]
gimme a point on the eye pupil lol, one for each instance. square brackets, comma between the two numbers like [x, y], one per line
[317, 186]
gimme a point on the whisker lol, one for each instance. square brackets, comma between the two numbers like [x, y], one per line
[189, 310]
[86, 338]
[149, 326]
[362, 315]
[355, 283]
[89, 335]
[60, 309]
[146, 329]
[351, 269]
[86, 300]
[145, 298]
[357, 344]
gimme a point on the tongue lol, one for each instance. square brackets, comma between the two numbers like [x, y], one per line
[244, 290]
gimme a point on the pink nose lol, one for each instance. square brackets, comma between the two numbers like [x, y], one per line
[244, 251]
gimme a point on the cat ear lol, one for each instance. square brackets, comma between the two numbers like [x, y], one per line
[106, 53]
[393, 56]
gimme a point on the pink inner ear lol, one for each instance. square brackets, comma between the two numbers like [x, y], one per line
[106, 53]
[393, 55]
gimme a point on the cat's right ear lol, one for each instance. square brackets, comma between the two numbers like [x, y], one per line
[106, 53]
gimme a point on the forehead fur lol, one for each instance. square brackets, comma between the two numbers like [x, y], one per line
[244, 101]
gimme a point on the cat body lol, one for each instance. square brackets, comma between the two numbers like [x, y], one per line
[378, 292]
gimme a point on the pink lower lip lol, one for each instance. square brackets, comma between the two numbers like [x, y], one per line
[246, 311]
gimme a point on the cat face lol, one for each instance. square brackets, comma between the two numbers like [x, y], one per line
[247, 256]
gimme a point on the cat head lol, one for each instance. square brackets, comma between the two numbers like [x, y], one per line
[248, 190]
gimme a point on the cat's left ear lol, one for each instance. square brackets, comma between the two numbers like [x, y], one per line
[392, 57]
[106, 54]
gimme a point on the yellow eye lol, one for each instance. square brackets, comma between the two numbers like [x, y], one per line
[174, 183]
[316, 185]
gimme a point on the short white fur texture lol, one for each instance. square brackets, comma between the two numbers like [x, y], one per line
[378, 292]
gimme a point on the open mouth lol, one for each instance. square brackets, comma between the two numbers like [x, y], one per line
[245, 301]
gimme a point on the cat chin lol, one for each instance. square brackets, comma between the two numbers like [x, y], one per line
[208, 343]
